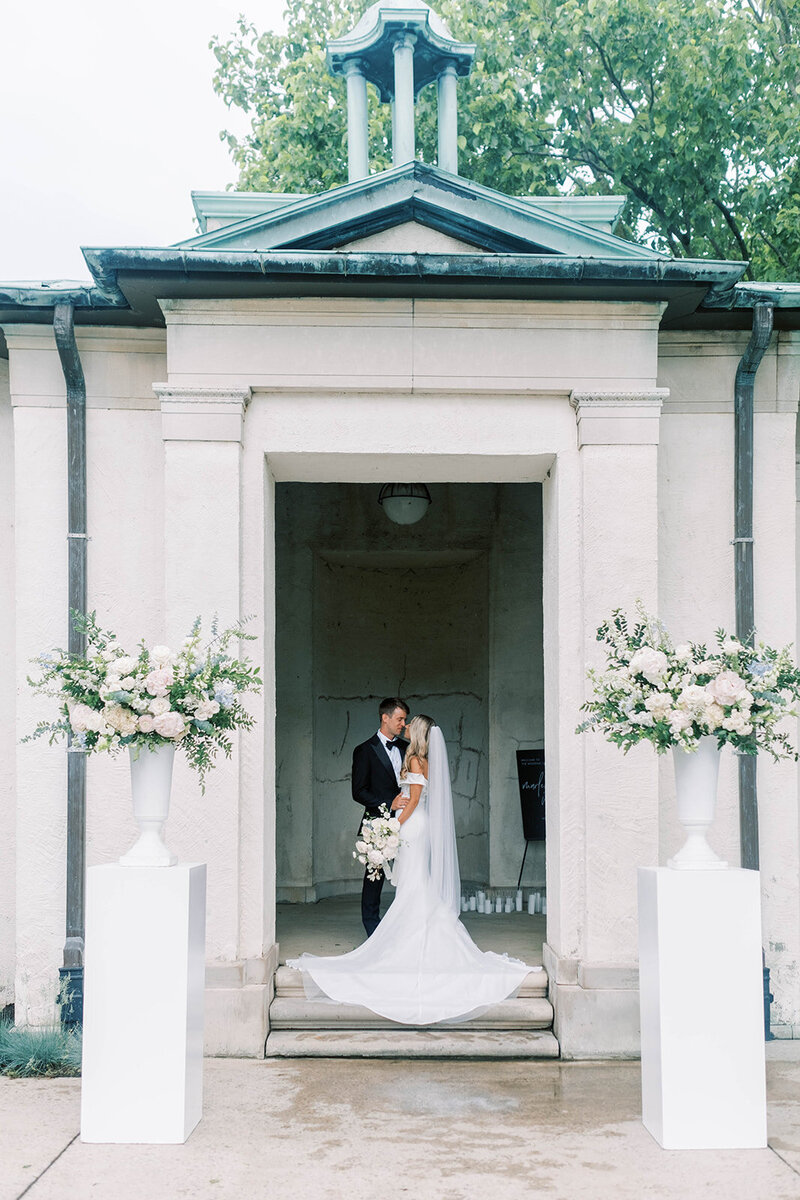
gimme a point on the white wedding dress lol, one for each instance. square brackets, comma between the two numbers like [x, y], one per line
[420, 965]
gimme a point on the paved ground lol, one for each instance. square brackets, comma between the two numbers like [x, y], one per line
[334, 926]
[352, 1130]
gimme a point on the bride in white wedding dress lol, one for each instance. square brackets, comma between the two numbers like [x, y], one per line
[420, 965]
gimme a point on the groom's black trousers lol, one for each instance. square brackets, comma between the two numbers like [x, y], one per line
[373, 784]
[371, 902]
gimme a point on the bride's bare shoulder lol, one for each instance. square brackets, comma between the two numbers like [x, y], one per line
[418, 766]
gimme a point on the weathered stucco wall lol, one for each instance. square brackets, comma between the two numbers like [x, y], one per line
[7, 698]
[696, 589]
[125, 513]
[431, 612]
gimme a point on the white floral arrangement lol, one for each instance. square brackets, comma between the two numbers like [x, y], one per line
[110, 699]
[653, 691]
[378, 842]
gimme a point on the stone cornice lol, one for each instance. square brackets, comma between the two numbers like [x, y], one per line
[198, 414]
[618, 417]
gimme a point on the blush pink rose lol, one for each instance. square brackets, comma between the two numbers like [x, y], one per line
[159, 682]
[146, 723]
[170, 725]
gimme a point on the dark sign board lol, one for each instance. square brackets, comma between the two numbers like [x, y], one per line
[530, 772]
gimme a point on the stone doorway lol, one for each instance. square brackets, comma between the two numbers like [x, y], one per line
[446, 613]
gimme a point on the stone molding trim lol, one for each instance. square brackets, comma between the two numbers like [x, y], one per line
[192, 414]
[618, 418]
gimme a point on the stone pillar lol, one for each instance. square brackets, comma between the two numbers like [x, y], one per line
[39, 771]
[403, 144]
[448, 121]
[202, 429]
[357, 139]
[601, 504]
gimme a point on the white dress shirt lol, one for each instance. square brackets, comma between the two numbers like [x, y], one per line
[394, 754]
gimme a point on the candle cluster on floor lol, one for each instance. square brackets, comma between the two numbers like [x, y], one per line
[504, 901]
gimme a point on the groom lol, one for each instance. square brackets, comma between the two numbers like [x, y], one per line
[376, 781]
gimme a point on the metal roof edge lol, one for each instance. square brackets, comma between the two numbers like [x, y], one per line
[105, 262]
[780, 295]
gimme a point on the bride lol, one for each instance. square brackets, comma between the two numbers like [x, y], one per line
[420, 965]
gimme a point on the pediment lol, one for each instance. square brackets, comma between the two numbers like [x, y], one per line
[410, 237]
[392, 207]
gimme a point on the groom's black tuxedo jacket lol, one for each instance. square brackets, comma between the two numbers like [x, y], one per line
[373, 779]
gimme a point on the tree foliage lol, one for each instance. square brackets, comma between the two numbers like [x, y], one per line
[691, 107]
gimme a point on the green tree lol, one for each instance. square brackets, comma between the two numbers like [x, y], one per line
[691, 107]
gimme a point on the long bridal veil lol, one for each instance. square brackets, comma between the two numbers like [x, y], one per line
[441, 825]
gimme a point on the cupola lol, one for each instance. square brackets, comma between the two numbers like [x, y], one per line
[400, 48]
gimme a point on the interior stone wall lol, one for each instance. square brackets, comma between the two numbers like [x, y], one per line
[446, 614]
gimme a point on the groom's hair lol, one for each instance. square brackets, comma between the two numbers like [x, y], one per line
[388, 706]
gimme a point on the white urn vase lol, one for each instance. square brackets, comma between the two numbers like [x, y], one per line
[151, 781]
[696, 774]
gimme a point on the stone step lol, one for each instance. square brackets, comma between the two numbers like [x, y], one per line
[294, 1011]
[289, 982]
[455, 1042]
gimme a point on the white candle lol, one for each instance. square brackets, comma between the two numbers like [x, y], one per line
[509, 904]
[498, 904]
[531, 904]
[537, 902]
[472, 904]
[464, 905]
[544, 904]
[519, 900]
[488, 907]
[481, 898]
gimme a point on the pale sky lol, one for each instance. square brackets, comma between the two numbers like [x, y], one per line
[108, 123]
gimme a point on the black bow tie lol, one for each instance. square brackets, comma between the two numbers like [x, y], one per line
[390, 744]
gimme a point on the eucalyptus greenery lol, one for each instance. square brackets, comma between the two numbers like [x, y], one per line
[690, 107]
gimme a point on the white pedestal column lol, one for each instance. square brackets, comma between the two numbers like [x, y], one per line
[143, 1003]
[702, 1016]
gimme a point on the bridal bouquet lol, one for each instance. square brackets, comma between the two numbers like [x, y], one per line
[378, 842]
[109, 699]
[671, 695]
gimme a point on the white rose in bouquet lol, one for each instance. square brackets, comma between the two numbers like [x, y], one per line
[161, 655]
[728, 688]
[650, 663]
[659, 704]
[159, 705]
[693, 699]
[170, 725]
[159, 682]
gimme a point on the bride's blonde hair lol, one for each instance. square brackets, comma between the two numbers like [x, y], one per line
[419, 729]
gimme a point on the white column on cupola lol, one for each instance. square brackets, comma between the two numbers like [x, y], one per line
[448, 120]
[403, 149]
[357, 136]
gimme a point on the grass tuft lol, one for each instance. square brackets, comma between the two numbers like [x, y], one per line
[48, 1050]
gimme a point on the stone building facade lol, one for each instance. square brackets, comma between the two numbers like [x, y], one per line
[566, 396]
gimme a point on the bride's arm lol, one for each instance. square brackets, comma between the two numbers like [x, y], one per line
[414, 790]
